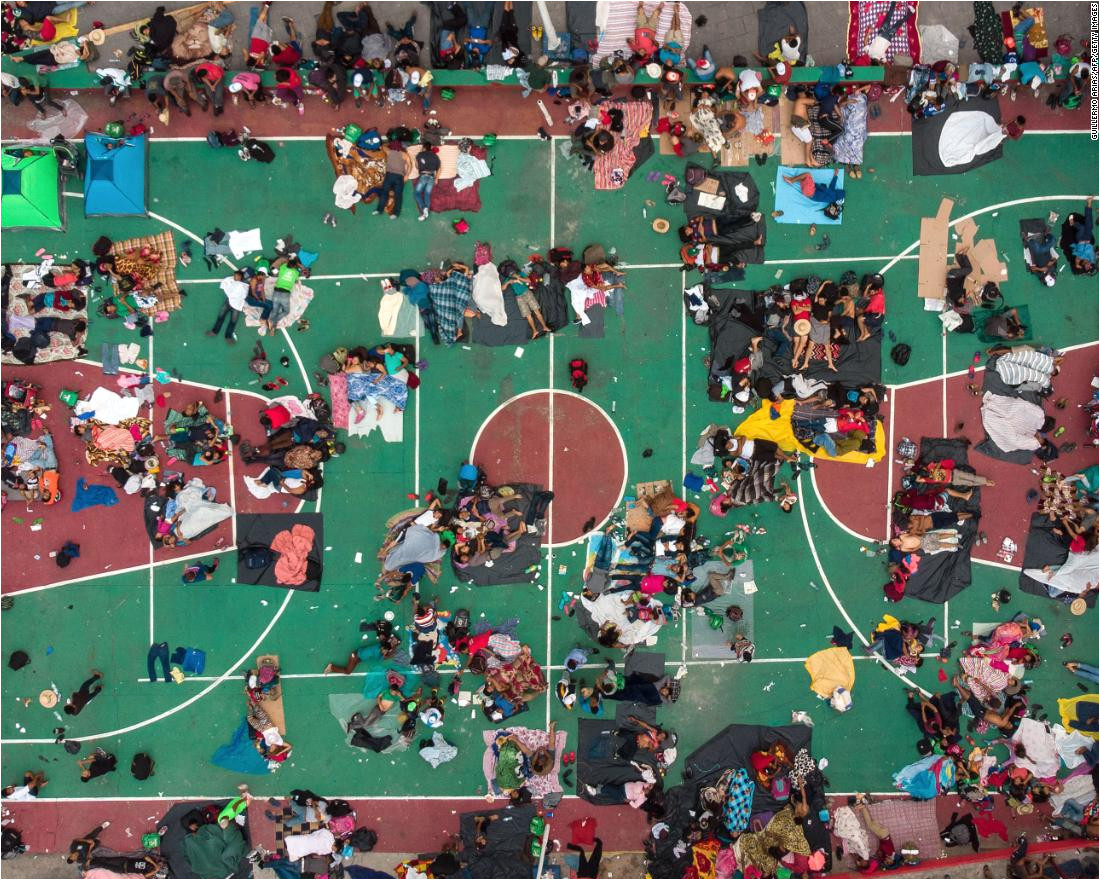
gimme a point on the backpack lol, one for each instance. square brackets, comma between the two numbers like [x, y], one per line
[899, 354]
[12, 844]
[578, 373]
[363, 839]
[255, 556]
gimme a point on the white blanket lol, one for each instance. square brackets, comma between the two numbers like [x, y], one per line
[967, 135]
[488, 295]
[610, 607]
[108, 406]
[196, 514]
[1011, 422]
[1075, 575]
[317, 843]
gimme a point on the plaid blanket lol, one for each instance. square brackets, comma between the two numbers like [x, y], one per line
[863, 22]
[613, 168]
[158, 276]
[449, 299]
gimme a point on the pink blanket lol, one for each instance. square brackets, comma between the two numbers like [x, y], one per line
[293, 546]
[539, 786]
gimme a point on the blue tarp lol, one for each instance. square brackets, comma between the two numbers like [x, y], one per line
[239, 754]
[115, 176]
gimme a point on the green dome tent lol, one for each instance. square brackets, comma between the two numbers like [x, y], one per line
[31, 189]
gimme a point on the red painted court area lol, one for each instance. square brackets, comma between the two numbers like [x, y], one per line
[584, 462]
[857, 497]
[113, 538]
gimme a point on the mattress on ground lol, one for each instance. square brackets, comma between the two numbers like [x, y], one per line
[926, 139]
[516, 332]
[942, 576]
[737, 201]
[775, 20]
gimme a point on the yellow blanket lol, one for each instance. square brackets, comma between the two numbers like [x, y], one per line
[1068, 710]
[830, 669]
[761, 426]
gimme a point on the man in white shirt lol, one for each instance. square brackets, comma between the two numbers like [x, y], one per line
[28, 791]
[235, 289]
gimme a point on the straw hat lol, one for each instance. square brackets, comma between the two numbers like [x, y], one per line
[1078, 606]
[660, 225]
[97, 36]
[802, 327]
[48, 698]
[653, 69]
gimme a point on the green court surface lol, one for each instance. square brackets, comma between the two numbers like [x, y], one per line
[646, 373]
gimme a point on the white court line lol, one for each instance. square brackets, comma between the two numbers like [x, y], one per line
[836, 601]
[550, 667]
[956, 373]
[1029, 131]
[232, 467]
[550, 476]
[889, 459]
[416, 410]
[150, 370]
[683, 426]
[943, 384]
[359, 798]
[553, 392]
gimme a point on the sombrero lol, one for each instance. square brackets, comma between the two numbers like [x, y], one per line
[653, 70]
[802, 327]
[660, 225]
[97, 36]
[48, 698]
[1078, 606]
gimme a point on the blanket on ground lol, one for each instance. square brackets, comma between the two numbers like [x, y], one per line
[941, 576]
[612, 169]
[26, 283]
[539, 786]
[865, 18]
[152, 259]
[1044, 548]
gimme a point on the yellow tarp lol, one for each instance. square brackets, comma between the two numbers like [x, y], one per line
[761, 426]
[830, 669]
[1068, 710]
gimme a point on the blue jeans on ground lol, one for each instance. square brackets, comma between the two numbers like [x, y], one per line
[422, 191]
[391, 183]
[227, 311]
[159, 652]
[1087, 672]
[263, 304]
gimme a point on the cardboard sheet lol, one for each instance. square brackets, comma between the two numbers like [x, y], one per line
[932, 263]
[983, 256]
[274, 706]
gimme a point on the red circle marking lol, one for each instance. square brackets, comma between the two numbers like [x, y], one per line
[589, 465]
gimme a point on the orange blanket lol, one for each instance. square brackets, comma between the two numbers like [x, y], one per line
[293, 546]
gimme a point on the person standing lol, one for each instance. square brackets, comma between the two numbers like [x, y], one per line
[87, 692]
[398, 166]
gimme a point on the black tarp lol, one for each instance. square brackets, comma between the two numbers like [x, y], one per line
[735, 322]
[171, 843]
[992, 382]
[597, 765]
[942, 576]
[926, 139]
[260, 529]
[1044, 548]
[506, 852]
[510, 568]
[729, 749]
[775, 20]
